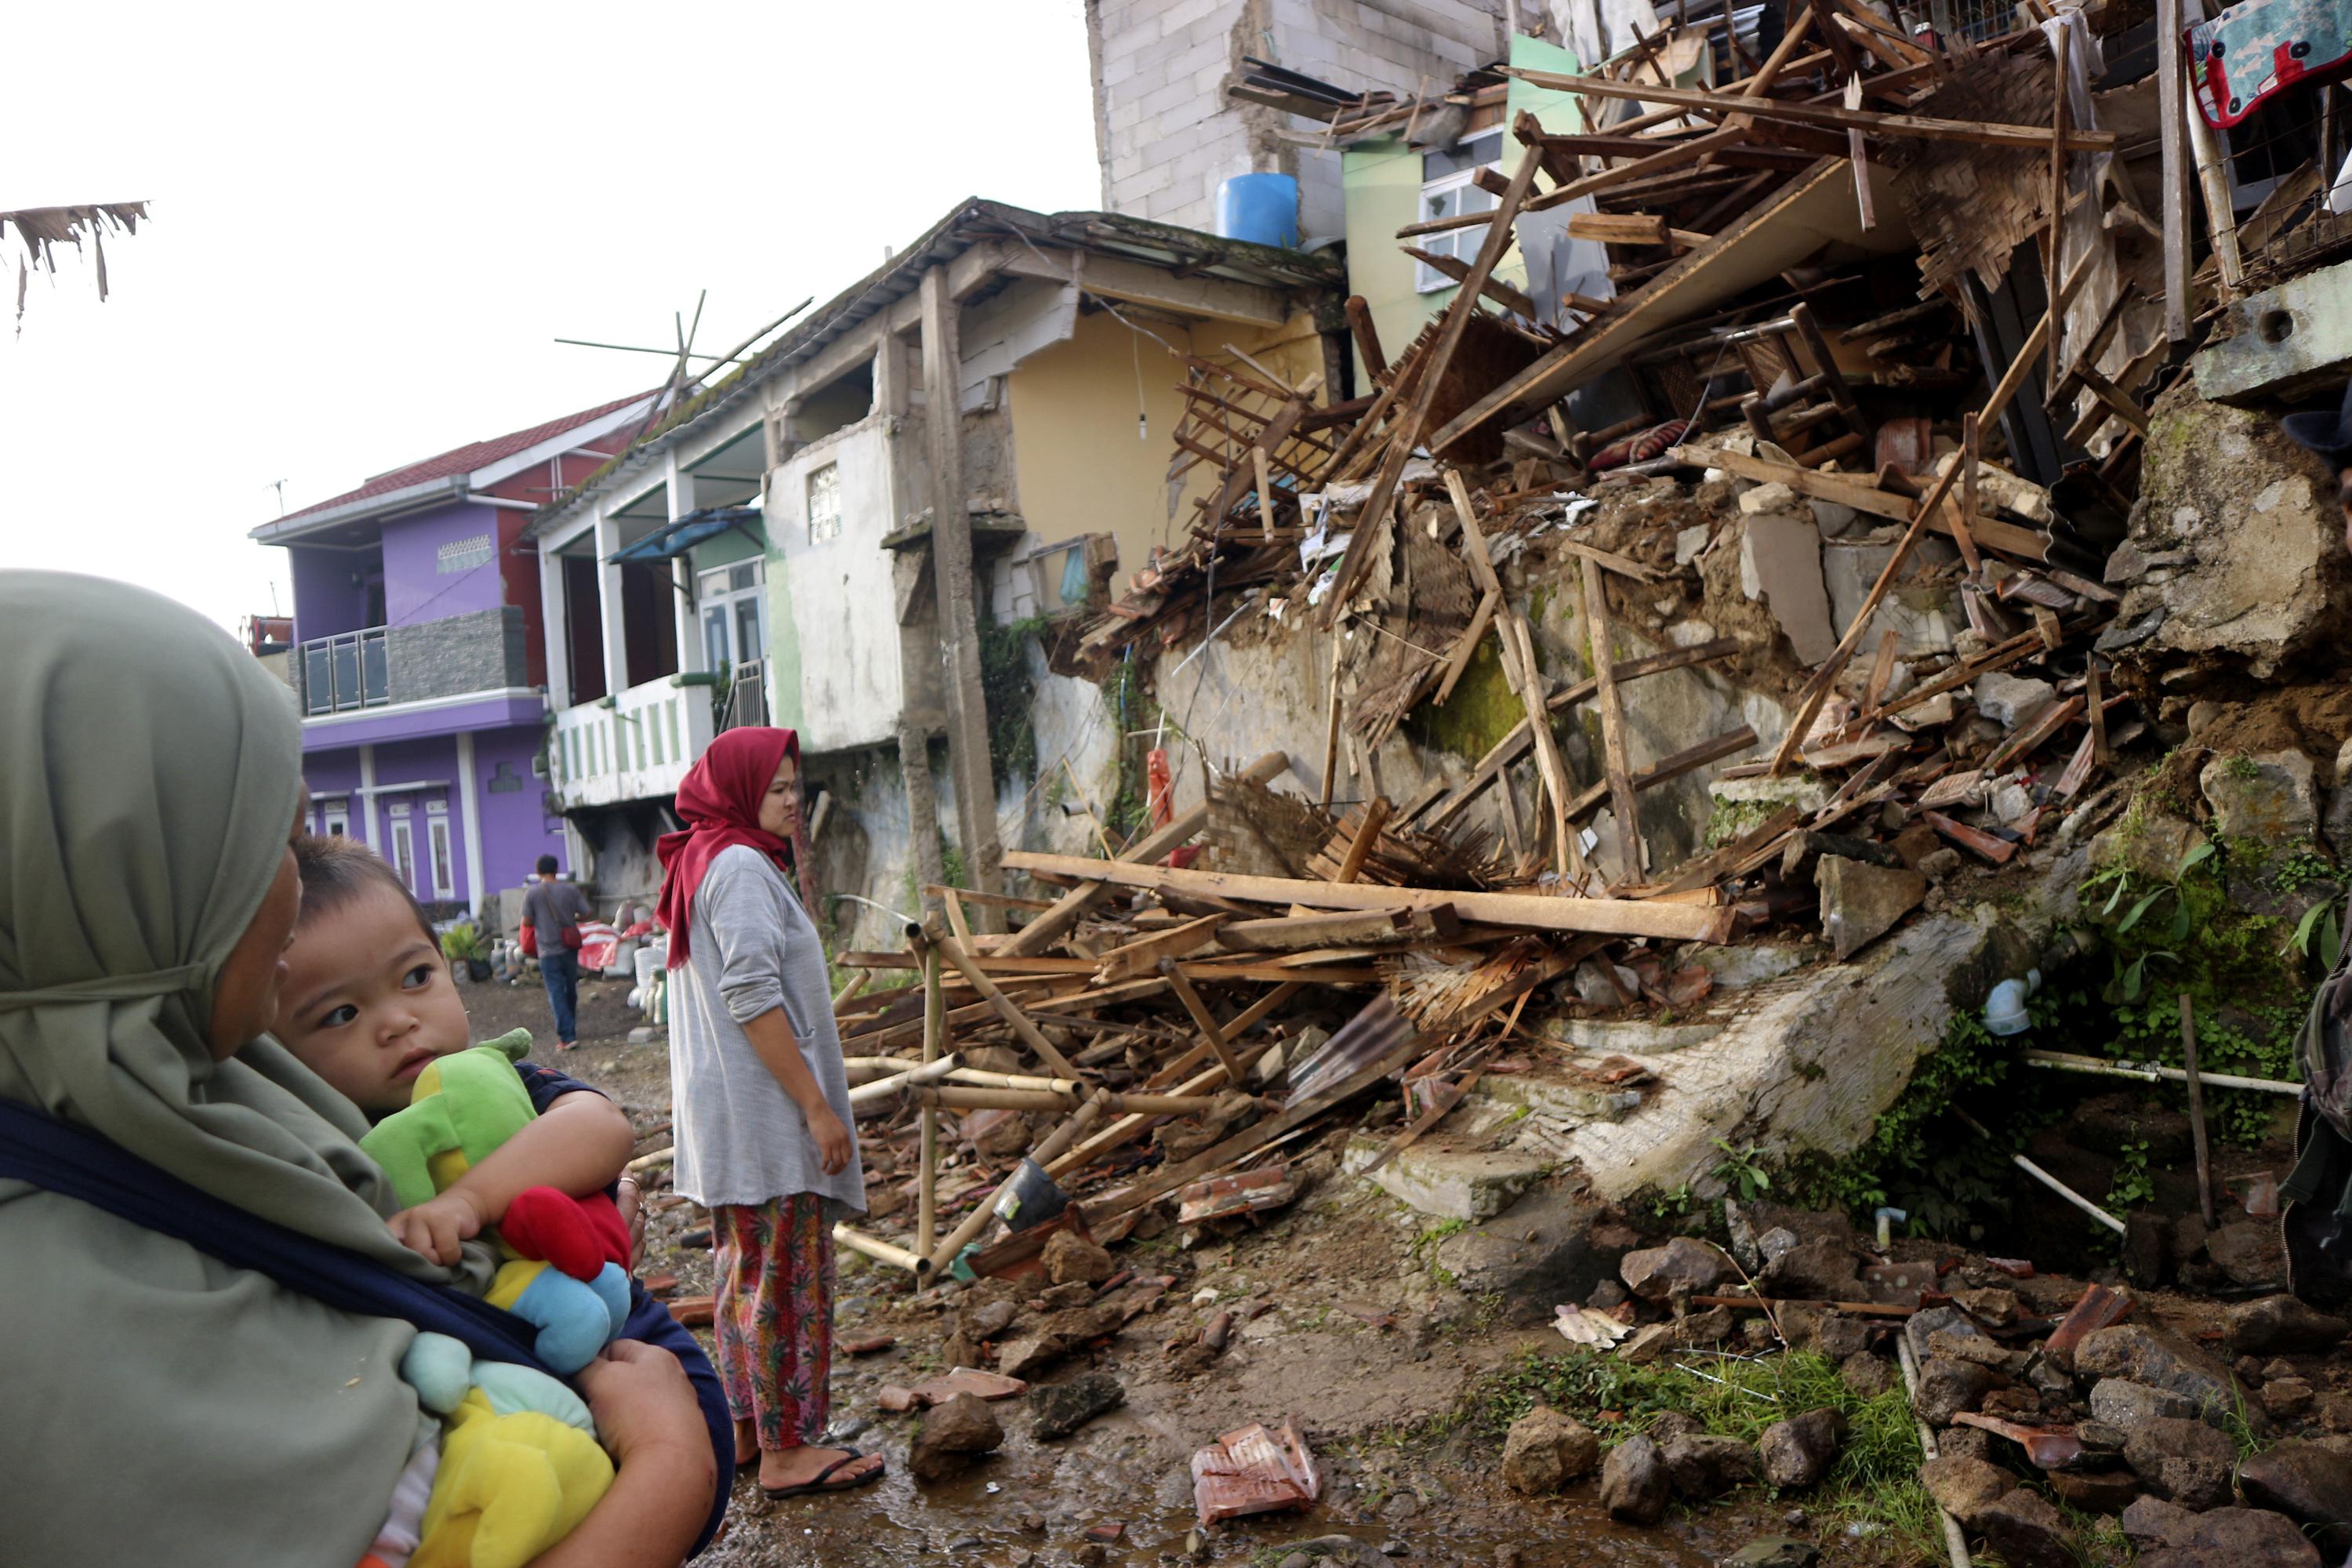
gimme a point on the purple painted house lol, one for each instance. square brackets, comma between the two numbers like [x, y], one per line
[418, 661]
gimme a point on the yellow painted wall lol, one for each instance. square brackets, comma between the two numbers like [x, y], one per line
[1077, 461]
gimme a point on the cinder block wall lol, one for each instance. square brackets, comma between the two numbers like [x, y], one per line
[1166, 134]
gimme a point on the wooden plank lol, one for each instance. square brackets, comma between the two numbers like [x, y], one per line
[1143, 957]
[2172, 105]
[1495, 288]
[1249, 1019]
[1005, 1007]
[1716, 863]
[2031, 735]
[1996, 850]
[1849, 489]
[1379, 928]
[1367, 336]
[1600, 627]
[1368, 834]
[1675, 766]
[1372, 520]
[1623, 565]
[1568, 854]
[1534, 912]
[1067, 911]
[1882, 670]
[2098, 710]
[1466, 648]
[2054, 238]
[1212, 1032]
[2000, 657]
[1983, 134]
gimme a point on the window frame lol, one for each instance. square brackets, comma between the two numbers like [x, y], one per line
[809, 497]
[440, 851]
[403, 836]
[714, 593]
[1428, 279]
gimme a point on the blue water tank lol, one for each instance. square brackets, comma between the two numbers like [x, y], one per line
[1260, 208]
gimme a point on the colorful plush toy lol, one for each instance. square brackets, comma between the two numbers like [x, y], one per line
[519, 1460]
[567, 1257]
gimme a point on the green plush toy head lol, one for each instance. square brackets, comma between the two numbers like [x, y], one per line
[464, 1106]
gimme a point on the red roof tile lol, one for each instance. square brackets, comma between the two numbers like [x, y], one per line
[465, 459]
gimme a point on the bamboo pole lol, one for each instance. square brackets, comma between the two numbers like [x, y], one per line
[874, 1247]
[2196, 1107]
[886, 1088]
[2046, 1179]
[958, 1096]
[1043, 1154]
[1956, 1545]
[927, 1194]
[2153, 1072]
[1005, 1007]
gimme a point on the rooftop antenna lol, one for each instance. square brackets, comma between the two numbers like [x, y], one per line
[280, 486]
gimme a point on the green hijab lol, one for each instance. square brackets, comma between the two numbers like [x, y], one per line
[149, 772]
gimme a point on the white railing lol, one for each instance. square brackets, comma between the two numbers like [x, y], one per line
[747, 696]
[635, 747]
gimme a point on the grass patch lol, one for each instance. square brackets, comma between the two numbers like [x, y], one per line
[1874, 1485]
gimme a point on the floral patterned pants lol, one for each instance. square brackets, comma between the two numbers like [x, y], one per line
[772, 1316]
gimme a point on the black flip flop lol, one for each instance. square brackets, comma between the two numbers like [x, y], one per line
[816, 1484]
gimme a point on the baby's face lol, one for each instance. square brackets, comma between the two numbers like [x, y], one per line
[368, 1001]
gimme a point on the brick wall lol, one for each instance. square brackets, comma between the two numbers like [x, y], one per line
[1166, 132]
[482, 650]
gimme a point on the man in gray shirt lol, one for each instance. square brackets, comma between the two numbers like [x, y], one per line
[553, 908]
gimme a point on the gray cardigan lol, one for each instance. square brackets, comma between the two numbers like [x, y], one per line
[741, 1138]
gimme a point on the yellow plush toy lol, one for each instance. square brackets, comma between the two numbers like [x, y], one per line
[519, 1460]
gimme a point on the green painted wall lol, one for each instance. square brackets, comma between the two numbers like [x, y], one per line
[1382, 183]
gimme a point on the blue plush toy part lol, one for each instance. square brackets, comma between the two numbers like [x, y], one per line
[575, 1317]
[2254, 50]
[443, 1371]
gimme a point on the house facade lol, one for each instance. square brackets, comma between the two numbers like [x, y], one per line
[418, 661]
[835, 547]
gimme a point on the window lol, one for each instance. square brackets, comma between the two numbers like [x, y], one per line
[404, 849]
[825, 503]
[734, 614]
[1447, 191]
[437, 837]
[337, 816]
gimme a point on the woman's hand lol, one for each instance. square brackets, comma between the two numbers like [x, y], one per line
[641, 1399]
[438, 1228]
[633, 1216]
[832, 1144]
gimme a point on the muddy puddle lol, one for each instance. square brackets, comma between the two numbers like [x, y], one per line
[1116, 1474]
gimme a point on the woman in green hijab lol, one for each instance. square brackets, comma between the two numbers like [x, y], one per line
[166, 1406]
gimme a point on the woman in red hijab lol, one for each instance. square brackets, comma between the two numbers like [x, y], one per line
[766, 1140]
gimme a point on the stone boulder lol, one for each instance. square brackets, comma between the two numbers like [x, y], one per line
[1798, 1452]
[1867, 1376]
[2151, 1521]
[1822, 1269]
[2277, 1325]
[1546, 1449]
[1059, 1409]
[2096, 1491]
[2270, 797]
[2252, 1253]
[1964, 1487]
[1922, 1327]
[2309, 1484]
[1681, 1267]
[1948, 1387]
[951, 1437]
[2127, 1404]
[1703, 1465]
[1071, 1259]
[1635, 1483]
[2025, 1530]
[2182, 1461]
[2234, 1538]
[1861, 902]
[2136, 1354]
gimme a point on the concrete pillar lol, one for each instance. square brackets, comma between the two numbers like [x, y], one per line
[918, 641]
[681, 571]
[608, 606]
[555, 628]
[367, 801]
[952, 576]
[469, 801]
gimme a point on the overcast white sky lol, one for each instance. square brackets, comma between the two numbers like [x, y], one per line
[368, 224]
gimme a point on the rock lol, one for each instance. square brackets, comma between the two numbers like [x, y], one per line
[1703, 1465]
[1948, 1387]
[2026, 1531]
[2270, 797]
[2251, 1252]
[1821, 1269]
[2309, 1484]
[2099, 1437]
[1867, 1376]
[2006, 699]
[1546, 1449]
[2286, 1398]
[2127, 1404]
[1970, 1442]
[1070, 1259]
[2276, 1324]
[2185, 1461]
[1798, 1452]
[1939, 864]
[2147, 1249]
[951, 1437]
[2153, 845]
[1026, 1357]
[1008, 1137]
[1774, 1552]
[1669, 1425]
[2151, 1521]
[2137, 1353]
[1059, 1409]
[2335, 1411]
[1681, 1267]
[1550, 1246]
[1806, 848]
[1635, 1483]
[989, 1319]
[1964, 1487]
[2096, 1491]
[2234, 1538]
[1988, 1304]
[1861, 902]
[1920, 1326]
[1974, 1348]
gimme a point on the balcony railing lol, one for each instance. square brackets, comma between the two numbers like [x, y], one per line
[636, 746]
[746, 701]
[352, 670]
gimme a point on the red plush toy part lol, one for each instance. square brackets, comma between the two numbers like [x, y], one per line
[578, 1235]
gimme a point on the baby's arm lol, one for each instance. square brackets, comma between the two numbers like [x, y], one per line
[578, 1147]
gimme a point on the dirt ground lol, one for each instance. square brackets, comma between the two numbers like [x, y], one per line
[1341, 1324]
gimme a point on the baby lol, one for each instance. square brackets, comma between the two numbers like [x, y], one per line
[368, 1003]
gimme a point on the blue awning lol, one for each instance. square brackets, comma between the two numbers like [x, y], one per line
[676, 538]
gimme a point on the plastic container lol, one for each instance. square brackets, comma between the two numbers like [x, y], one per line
[2004, 1011]
[1260, 208]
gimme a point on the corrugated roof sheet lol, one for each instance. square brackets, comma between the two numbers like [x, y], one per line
[464, 459]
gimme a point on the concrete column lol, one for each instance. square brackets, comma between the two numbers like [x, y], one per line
[367, 801]
[555, 628]
[967, 705]
[681, 571]
[469, 801]
[918, 643]
[608, 605]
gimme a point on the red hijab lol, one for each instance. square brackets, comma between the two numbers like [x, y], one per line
[720, 802]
